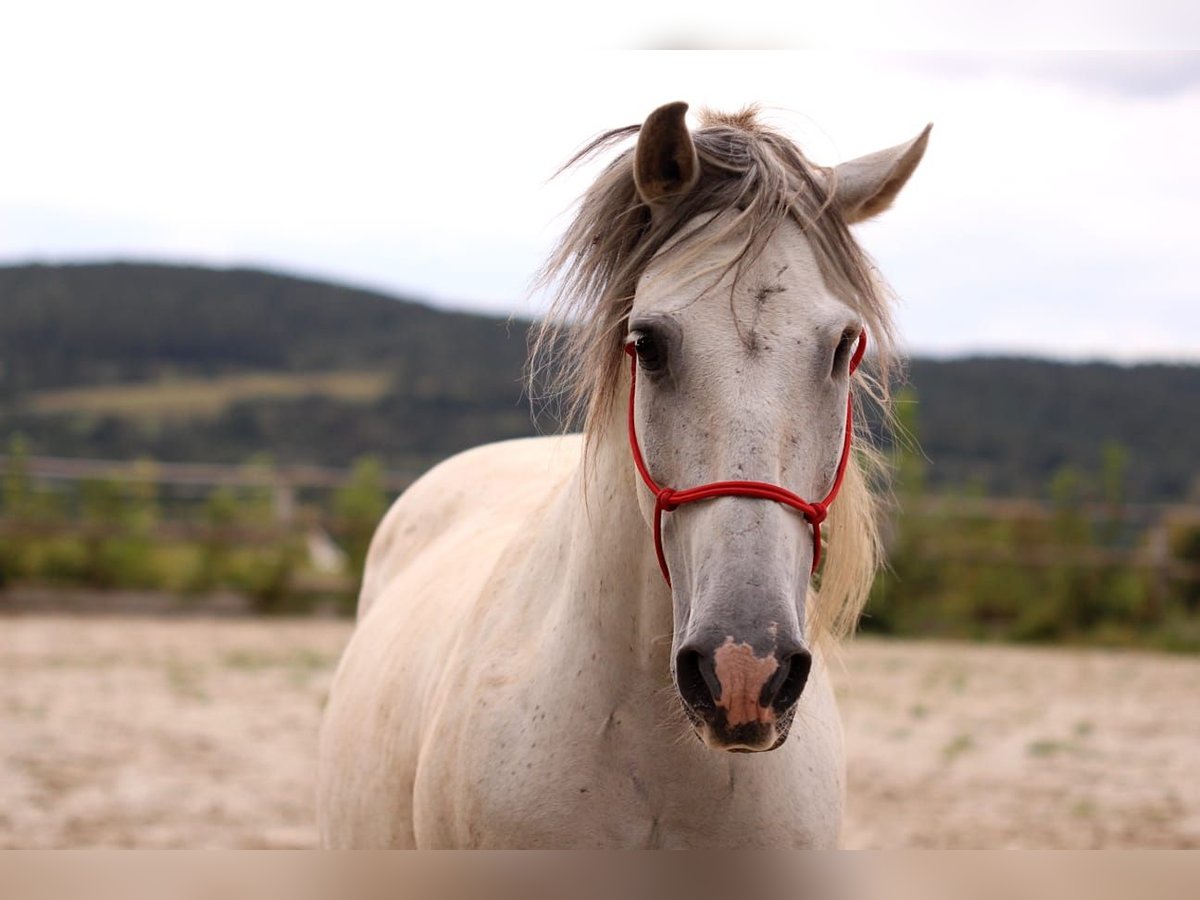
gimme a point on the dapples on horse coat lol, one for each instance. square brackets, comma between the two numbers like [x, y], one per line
[527, 670]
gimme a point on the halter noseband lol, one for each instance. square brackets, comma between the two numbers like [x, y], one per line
[667, 499]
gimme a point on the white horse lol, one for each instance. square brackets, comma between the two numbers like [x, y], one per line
[524, 672]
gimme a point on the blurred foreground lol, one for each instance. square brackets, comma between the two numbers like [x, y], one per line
[193, 732]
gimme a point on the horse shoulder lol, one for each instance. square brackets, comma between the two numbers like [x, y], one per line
[479, 493]
[429, 560]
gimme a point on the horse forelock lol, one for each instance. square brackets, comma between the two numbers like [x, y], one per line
[763, 178]
[745, 119]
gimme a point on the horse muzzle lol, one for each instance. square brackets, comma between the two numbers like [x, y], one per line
[737, 699]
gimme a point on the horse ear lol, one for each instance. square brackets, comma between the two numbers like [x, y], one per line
[866, 186]
[665, 165]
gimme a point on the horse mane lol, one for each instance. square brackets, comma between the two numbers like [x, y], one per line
[754, 178]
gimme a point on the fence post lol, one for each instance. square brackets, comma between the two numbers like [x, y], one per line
[1158, 551]
[284, 500]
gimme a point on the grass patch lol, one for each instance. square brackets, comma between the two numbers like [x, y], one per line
[1084, 809]
[961, 744]
[300, 660]
[1045, 748]
[193, 398]
[297, 666]
[186, 680]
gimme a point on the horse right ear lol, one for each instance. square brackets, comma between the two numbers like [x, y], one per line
[866, 186]
[665, 165]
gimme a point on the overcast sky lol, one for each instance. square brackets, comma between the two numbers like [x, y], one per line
[1055, 212]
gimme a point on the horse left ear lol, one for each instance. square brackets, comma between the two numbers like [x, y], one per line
[665, 165]
[866, 186]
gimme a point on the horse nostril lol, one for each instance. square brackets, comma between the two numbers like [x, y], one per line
[696, 679]
[787, 684]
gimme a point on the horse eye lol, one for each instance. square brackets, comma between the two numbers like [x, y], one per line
[842, 354]
[651, 354]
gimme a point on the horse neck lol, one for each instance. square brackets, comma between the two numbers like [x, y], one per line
[615, 590]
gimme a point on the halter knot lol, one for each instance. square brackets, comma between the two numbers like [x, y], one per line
[665, 499]
[816, 513]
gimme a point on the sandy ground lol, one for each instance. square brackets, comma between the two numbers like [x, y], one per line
[160, 732]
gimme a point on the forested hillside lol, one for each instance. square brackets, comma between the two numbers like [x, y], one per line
[1007, 425]
[109, 361]
[96, 324]
[451, 379]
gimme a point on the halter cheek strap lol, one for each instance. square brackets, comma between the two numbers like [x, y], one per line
[668, 499]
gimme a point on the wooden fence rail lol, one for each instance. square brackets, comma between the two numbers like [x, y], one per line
[282, 481]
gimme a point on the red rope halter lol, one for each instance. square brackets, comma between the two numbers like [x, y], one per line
[668, 499]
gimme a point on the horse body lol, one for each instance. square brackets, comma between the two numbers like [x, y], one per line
[522, 674]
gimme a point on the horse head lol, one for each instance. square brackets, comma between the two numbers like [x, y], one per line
[743, 329]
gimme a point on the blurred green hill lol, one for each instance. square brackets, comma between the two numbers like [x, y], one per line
[127, 360]
[124, 360]
[1006, 426]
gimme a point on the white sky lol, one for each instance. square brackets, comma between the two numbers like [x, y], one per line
[409, 150]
